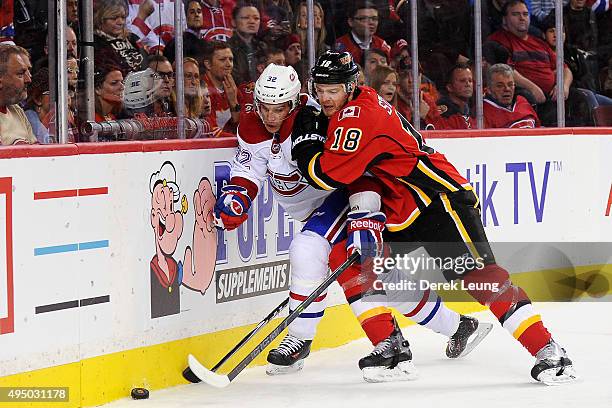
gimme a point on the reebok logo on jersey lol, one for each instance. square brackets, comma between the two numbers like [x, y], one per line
[350, 112]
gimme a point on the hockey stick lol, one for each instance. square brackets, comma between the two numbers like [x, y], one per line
[221, 381]
[191, 377]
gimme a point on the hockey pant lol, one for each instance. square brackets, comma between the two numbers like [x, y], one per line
[309, 254]
[451, 226]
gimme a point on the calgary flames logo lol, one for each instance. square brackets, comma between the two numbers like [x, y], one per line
[287, 185]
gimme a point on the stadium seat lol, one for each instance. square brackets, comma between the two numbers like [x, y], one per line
[602, 115]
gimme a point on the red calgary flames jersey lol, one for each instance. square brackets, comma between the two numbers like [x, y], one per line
[368, 136]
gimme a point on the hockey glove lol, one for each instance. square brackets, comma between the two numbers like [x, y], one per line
[232, 207]
[308, 134]
[364, 230]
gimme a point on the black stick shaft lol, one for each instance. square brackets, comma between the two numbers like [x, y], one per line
[248, 337]
[292, 316]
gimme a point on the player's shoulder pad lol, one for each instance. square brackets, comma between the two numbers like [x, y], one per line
[363, 109]
[251, 129]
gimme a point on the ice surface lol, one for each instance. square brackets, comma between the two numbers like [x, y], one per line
[496, 374]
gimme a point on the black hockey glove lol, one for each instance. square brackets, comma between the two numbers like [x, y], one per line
[308, 135]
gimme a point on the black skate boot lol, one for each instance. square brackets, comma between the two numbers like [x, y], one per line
[459, 344]
[391, 360]
[552, 366]
[289, 356]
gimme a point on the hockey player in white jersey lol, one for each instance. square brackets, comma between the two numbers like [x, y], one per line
[264, 152]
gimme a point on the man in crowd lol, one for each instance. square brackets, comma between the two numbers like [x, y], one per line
[363, 22]
[502, 108]
[534, 62]
[224, 95]
[244, 44]
[165, 74]
[454, 106]
[193, 46]
[14, 80]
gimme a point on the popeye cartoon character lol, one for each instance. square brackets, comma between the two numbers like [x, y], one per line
[167, 226]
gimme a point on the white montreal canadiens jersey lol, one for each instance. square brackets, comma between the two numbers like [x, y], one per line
[261, 154]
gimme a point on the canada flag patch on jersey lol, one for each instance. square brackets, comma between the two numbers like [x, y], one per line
[350, 112]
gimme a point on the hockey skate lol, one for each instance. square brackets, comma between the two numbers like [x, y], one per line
[391, 360]
[553, 367]
[468, 335]
[289, 356]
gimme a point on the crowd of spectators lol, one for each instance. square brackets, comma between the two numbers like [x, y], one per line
[227, 44]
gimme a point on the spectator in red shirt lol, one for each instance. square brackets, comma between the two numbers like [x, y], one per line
[534, 62]
[217, 17]
[219, 62]
[213, 129]
[502, 107]
[363, 21]
[454, 107]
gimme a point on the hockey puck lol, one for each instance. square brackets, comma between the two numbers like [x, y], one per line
[140, 393]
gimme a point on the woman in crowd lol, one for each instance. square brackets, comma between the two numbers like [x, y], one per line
[384, 80]
[109, 87]
[192, 89]
[112, 36]
[300, 27]
[37, 107]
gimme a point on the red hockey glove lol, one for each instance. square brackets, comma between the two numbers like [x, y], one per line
[232, 207]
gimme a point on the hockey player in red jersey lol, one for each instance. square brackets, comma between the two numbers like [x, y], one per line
[369, 146]
[264, 150]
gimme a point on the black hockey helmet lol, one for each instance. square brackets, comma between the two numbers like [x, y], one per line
[335, 68]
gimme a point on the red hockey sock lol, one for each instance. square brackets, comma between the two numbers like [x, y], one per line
[378, 327]
[528, 329]
[535, 337]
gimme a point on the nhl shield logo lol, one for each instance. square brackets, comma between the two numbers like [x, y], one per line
[275, 148]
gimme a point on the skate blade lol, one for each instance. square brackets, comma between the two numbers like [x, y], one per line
[558, 376]
[207, 376]
[481, 332]
[273, 369]
[404, 371]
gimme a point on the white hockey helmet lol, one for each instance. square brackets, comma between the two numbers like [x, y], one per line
[140, 89]
[278, 84]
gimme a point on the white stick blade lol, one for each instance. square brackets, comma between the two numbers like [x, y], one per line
[207, 376]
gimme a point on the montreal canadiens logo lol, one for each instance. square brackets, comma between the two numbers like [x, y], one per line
[292, 77]
[236, 208]
[275, 148]
[287, 184]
